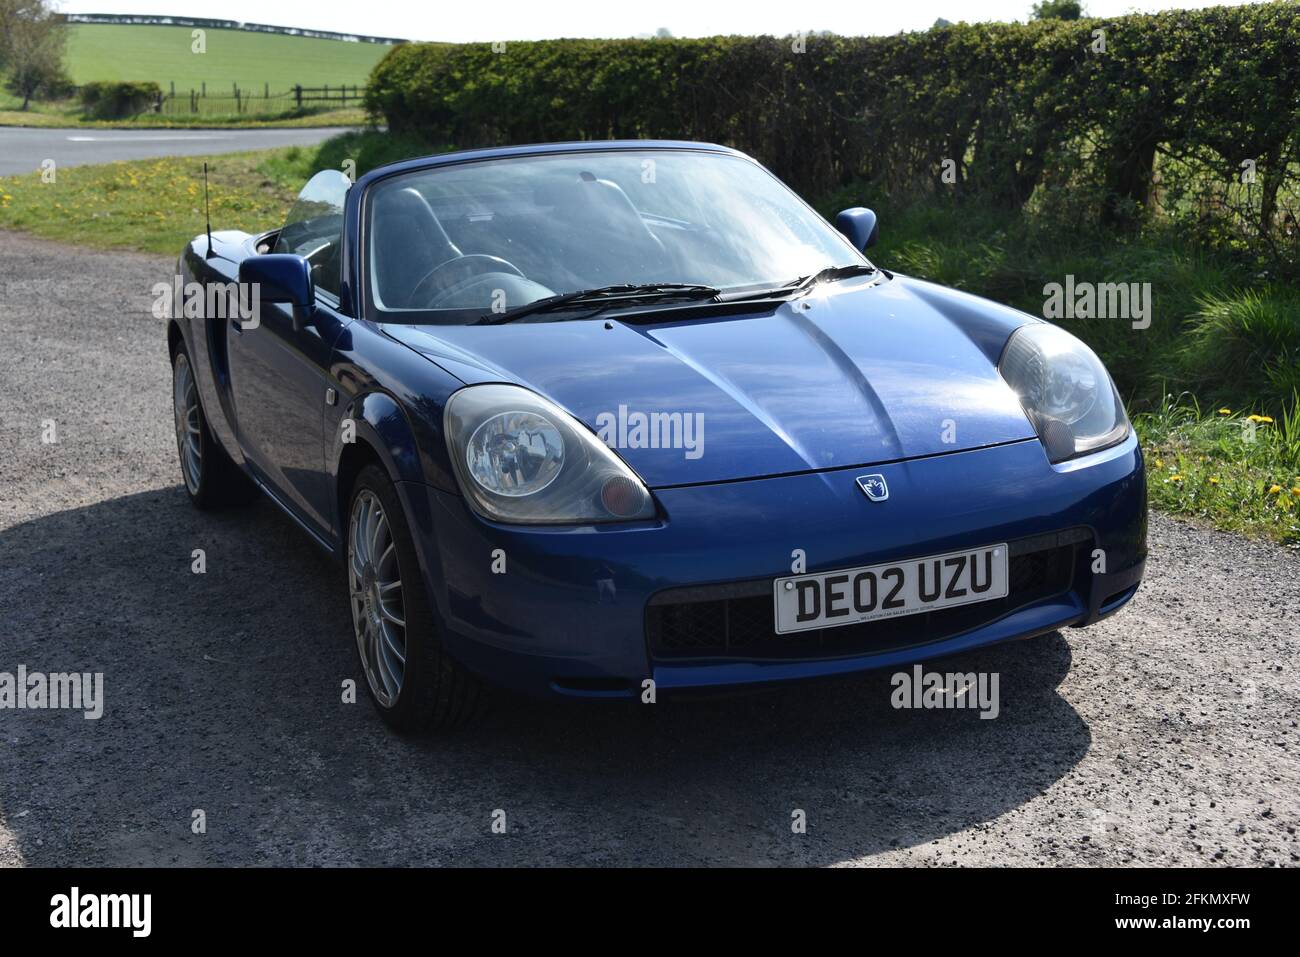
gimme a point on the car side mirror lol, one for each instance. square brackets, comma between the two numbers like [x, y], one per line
[281, 277]
[860, 225]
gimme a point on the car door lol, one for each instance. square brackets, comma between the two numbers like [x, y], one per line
[279, 367]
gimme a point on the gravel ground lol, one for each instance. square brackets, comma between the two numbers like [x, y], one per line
[1164, 736]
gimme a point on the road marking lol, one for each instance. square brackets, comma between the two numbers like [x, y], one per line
[140, 139]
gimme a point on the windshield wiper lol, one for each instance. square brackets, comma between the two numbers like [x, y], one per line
[830, 274]
[604, 297]
[801, 283]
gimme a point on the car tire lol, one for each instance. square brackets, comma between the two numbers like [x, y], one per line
[210, 476]
[412, 681]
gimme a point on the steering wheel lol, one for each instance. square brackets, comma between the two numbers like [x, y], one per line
[447, 274]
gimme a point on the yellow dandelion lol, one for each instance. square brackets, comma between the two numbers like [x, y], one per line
[1274, 489]
[1225, 412]
[1175, 478]
[1160, 463]
[1212, 480]
[1259, 419]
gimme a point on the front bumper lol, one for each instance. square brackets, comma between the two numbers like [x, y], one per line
[572, 611]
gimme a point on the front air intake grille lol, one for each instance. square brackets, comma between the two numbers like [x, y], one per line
[736, 621]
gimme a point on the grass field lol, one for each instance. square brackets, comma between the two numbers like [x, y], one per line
[101, 51]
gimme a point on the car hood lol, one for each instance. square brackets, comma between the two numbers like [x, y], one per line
[860, 372]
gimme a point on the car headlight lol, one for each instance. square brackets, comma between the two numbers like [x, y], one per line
[1065, 390]
[521, 458]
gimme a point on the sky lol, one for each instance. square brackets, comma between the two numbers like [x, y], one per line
[462, 21]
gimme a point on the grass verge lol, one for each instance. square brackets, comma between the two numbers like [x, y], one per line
[151, 205]
[1239, 472]
[156, 205]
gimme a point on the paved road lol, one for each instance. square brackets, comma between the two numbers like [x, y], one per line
[23, 150]
[1164, 736]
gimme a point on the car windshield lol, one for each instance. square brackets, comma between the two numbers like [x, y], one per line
[452, 244]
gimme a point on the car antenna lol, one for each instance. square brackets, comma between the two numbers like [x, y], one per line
[207, 212]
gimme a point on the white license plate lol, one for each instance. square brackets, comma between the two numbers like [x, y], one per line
[852, 595]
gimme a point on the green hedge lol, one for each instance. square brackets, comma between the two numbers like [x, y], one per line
[113, 101]
[1160, 121]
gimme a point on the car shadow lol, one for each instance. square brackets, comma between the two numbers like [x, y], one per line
[224, 706]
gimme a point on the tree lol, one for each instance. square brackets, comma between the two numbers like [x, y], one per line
[32, 39]
[1058, 10]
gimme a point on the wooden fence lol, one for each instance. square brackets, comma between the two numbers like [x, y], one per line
[241, 101]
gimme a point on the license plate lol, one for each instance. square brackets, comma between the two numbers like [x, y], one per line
[852, 595]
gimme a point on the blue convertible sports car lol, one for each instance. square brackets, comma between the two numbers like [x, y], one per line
[580, 417]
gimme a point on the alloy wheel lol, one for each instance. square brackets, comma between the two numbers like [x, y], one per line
[375, 587]
[185, 405]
